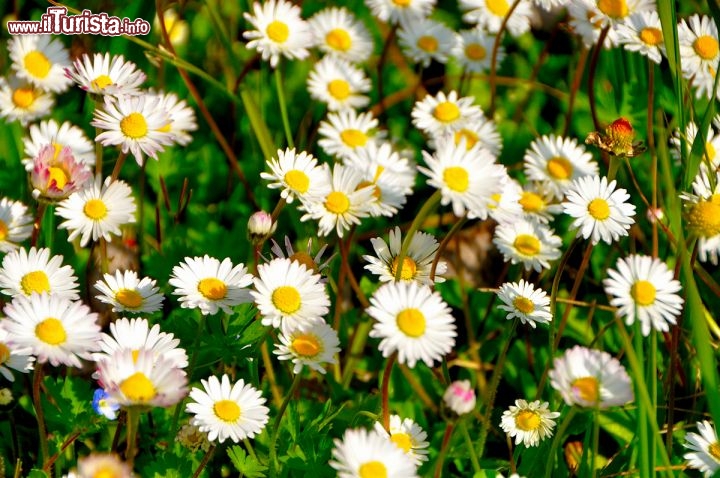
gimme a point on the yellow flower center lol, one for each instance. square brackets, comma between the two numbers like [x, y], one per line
[499, 8]
[447, 112]
[714, 450]
[456, 178]
[651, 36]
[475, 52]
[212, 288]
[587, 388]
[227, 410]
[101, 82]
[402, 440]
[559, 167]
[57, 148]
[599, 209]
[643, 292]
[277, 31]
[138, 388]
[338, 39]
[134, 126]
[36, 281]
[524, 305]
[339, 89]
[373, 469]
[286, 299]
[23, 97]
[531, 202]
[402, 3]
[306, 345]
[297, 180]
[353, 137]
[409, 268]
[305, 259]
[95, 209]
[58, 177]
[528, 420]
[706, 47]
[3, 230]
[616, 9]
[703, 218]
[527, 245]
[710, 151]
[129, 298]
[37, 64]
[51, 331]
[470, 137]
[428, 43]
[106, 472]
[4, 353]
[411, 322]
[337, 202]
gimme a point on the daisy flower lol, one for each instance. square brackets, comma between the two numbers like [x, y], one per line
[467, 178]
[489, 15]
[712, 144]
[416, 263]
[556, 162]
[19, 100]
[207, 284]
[408, 436]
[24, 272]
[550, 5]
[504, 206]
[473, 50]
[642, 32]
[343, 202]
[591, 378]
[481, 131]
[698, 41]
[340, 34]
[338, 84]
[18, 359]
[538, 204]
[600, 211]
[412, 320]
[227, 410]
[54, 328]
[314, 346]
[106, 75]
[55, 175]
[441, 114]
[347, 131]
[424, 40]
[363, 453]
[125, 293]
[705, 455]
[135, 123]
[396, 11]
[460, 397]
[617, 12]
[529, 423]
[177, 28]
[644, 287]
[181, 117]
[279, 30]
[313, 264]
[702, 215]
[97, 211]
[289, 295]
[524, 301]
[15, 224]
[297, 174]
[58, 136]
[41, 60]
[534, 245]
[103, 464]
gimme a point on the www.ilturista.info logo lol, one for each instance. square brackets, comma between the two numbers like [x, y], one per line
[57, 21]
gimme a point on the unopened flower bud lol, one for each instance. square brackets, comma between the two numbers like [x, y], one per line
[460, 397]
[5, 396]
[573, 455]
[260, 227]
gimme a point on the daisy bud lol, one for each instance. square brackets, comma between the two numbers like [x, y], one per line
[573, 454]
[621, 134]
[6, 397]
[460, 397]
[260, 227]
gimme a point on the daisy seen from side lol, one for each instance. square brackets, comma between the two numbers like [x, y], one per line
[278, 31]
[489, 15]
[704, 449]
[181, 117]
[49, 132]
[481, 131]
[17, 358]
[126, 293]
[15, 224]
[314, 346]
[408, 436]
[41, 60]
[396, 11]
[24, 272]
[532, 244]
[642, 32]
[106, 75]
[528, 422]
[524, 301]
[368, 453]
[55, 175]
[702, 215]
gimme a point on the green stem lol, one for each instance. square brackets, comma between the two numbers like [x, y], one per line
[283, 107]
[386, 391]
[450, 427]
[642, 415]
[39, 414]
[133, 422]
[595, 442]
[470, 447]
[557, 440]
[417, 222]
[276, 425]
[356, 348]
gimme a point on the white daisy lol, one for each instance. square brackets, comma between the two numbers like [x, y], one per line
[551, 5]
[24, 272]
[504, 206]
[56, 175]
[338, 84]
[642, 32]
[314, 346]
[529, 423]
[339, 33]
[15, 224]
[344, 132]
[702, 215]
[65, 135]
[489, 15]
[586, 21]
[416, 263]
[440, 114]
[460, 397]
[698, 41]
[41, 60]
[524, 301]
[97, 211]
[424, 40]
[16, 358]
[412, 320]
[54, 328]
[279, 30]
[538, 204]
[177, 28]
[591, 378]
[207, 284]
[482, 131]
[396, 11]
[125, 293]
[103, 464]
[710, 157]
[644, 288]
[106, 75]
[288, 295]
[534, 245]
[19, 100]
[473, 50]
[297, 174]
[617, 12]
[224, 410]
[408, 436]
[181, 117]
[705, 454]
[363, 453]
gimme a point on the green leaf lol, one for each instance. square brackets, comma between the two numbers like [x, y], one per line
[245, 464]
[38, 474]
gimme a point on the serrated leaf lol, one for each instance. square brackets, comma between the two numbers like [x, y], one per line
[245, 464]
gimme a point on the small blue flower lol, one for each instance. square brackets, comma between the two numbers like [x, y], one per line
[104, 405]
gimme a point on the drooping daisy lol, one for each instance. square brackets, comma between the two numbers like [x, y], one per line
[699, 46]
[363, 453]
[58, 136]
[644, 288]
[591, 378]
[489, 15]
[528, 422]
[207, 284]
[408, 436]
[97, 211]
[297, 174]
[600, 211]
[126, 293]
[314, 346]
[339, 33]
[15, 224]
[557, 161]
[532, 244]
[106, 75]
[396, 11]
[314, 264]
[705, 455]
[416, 263]
[224, 410]
[424, 40]
[19, 100]
[289, 295]
[473, 50]
[524, 301]
[345, 132]
[135, 124]
[413, 321]
[41, 60]
[24, 272]
[55, 175]
[338, 84]
[54, 328]
[279, 30]
[642, 32]
[103, 464]
[460, 397]
[702, 215]
[440, 114]
[16, 358]
[181, 117]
